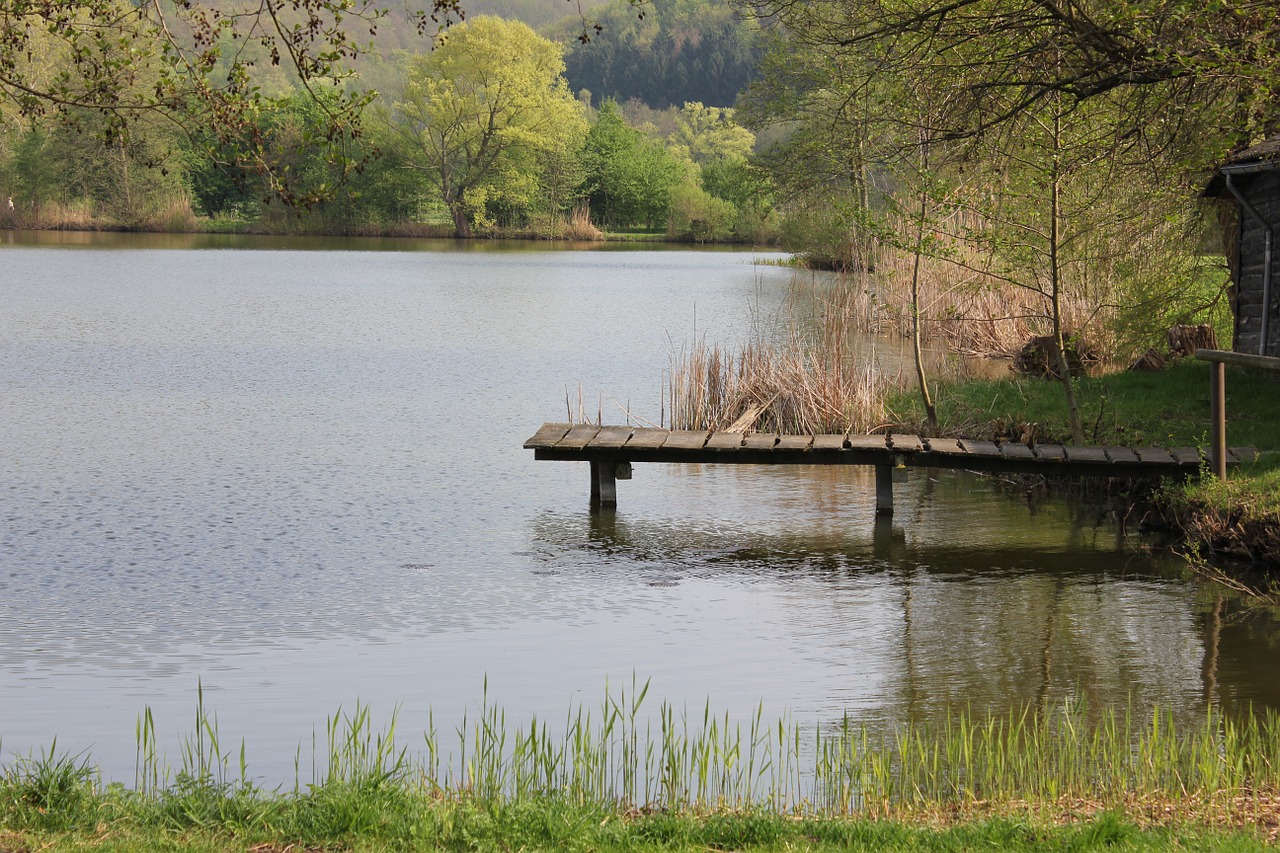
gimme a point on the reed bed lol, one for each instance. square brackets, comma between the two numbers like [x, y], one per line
[623, 757]
[807, 379]
[961, 308]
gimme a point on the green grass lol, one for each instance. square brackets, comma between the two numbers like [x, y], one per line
[1169, 408]
[616, 779]
[552, 825]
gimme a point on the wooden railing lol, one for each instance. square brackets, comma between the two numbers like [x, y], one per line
[1219, 359]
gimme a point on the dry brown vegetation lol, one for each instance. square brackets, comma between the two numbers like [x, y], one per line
[810, 379]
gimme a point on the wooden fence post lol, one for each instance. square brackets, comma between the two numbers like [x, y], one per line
[1218, 419]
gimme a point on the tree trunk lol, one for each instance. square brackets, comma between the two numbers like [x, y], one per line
[929, 409]
[1055, 276]
[461, 222]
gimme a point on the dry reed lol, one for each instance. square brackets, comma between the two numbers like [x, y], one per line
[968, 311]
[805, 384]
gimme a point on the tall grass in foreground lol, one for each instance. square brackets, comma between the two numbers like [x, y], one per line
[620, 757]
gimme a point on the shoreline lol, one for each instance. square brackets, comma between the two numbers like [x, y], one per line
[1232, 525]
[402, 231]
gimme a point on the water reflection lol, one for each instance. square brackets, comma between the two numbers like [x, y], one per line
[979, 625]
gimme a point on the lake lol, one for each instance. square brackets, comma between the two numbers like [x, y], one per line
[290, 472]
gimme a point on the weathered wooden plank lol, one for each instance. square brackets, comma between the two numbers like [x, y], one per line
[686, 439]
[578, 437]
[1050, 452]
[1124, 455]
[906, 443]
[828, 442]
[980, 448]
[618, 445]
[546, 436]
[1240, 359]
[647, 439]
[793, 442]
[726, 441]
[760, 441]
[1155, 454]
[1015, 450]
[944, 445]
[1242, 455]
[612, 437]
[1086, 454]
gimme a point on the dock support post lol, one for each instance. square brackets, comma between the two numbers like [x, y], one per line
[1218, 419]
[884, 490]
[604, 484]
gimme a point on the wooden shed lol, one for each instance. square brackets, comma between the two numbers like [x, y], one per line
[1250, 180]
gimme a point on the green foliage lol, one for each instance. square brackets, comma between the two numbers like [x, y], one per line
[702, 782]
[698, 215]
[112, 68]
[487, 106]
[706, 135]
[666, 52]
[631, 178]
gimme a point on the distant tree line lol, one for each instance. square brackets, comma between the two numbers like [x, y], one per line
[480, 135]
[668, 52]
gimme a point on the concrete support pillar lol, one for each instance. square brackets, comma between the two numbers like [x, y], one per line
[604, 484]
[884, 490]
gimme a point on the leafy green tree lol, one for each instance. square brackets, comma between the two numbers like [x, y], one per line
[709, 135]
[631, 177]
[30, 173]
[698, 215]
[490, 98]
[111, 66]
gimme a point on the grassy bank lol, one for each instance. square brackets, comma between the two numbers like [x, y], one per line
[617, 779]
[1239, 517]
[409, 823]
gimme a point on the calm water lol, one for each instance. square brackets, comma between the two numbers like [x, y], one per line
[295, 476]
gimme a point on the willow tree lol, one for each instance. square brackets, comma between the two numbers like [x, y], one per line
[489, 96]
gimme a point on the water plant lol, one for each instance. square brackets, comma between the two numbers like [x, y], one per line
[624, 757]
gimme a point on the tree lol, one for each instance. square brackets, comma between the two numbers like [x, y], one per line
[491, 94]
[708, 135]
[116, 65]
[1184, 71]
[670, 52]
[1068, 131]
[720, 150]
[631, 177]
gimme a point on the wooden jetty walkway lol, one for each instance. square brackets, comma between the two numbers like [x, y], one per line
[612, 449]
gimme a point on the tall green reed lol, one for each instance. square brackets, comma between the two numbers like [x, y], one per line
[625, 754]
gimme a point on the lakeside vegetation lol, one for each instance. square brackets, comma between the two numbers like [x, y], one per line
[447, 138]
[618, 778]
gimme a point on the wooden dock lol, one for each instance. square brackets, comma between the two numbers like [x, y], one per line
[612, 449]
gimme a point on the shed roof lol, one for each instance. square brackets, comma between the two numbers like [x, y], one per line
[1267, 151]
[1263, 157]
